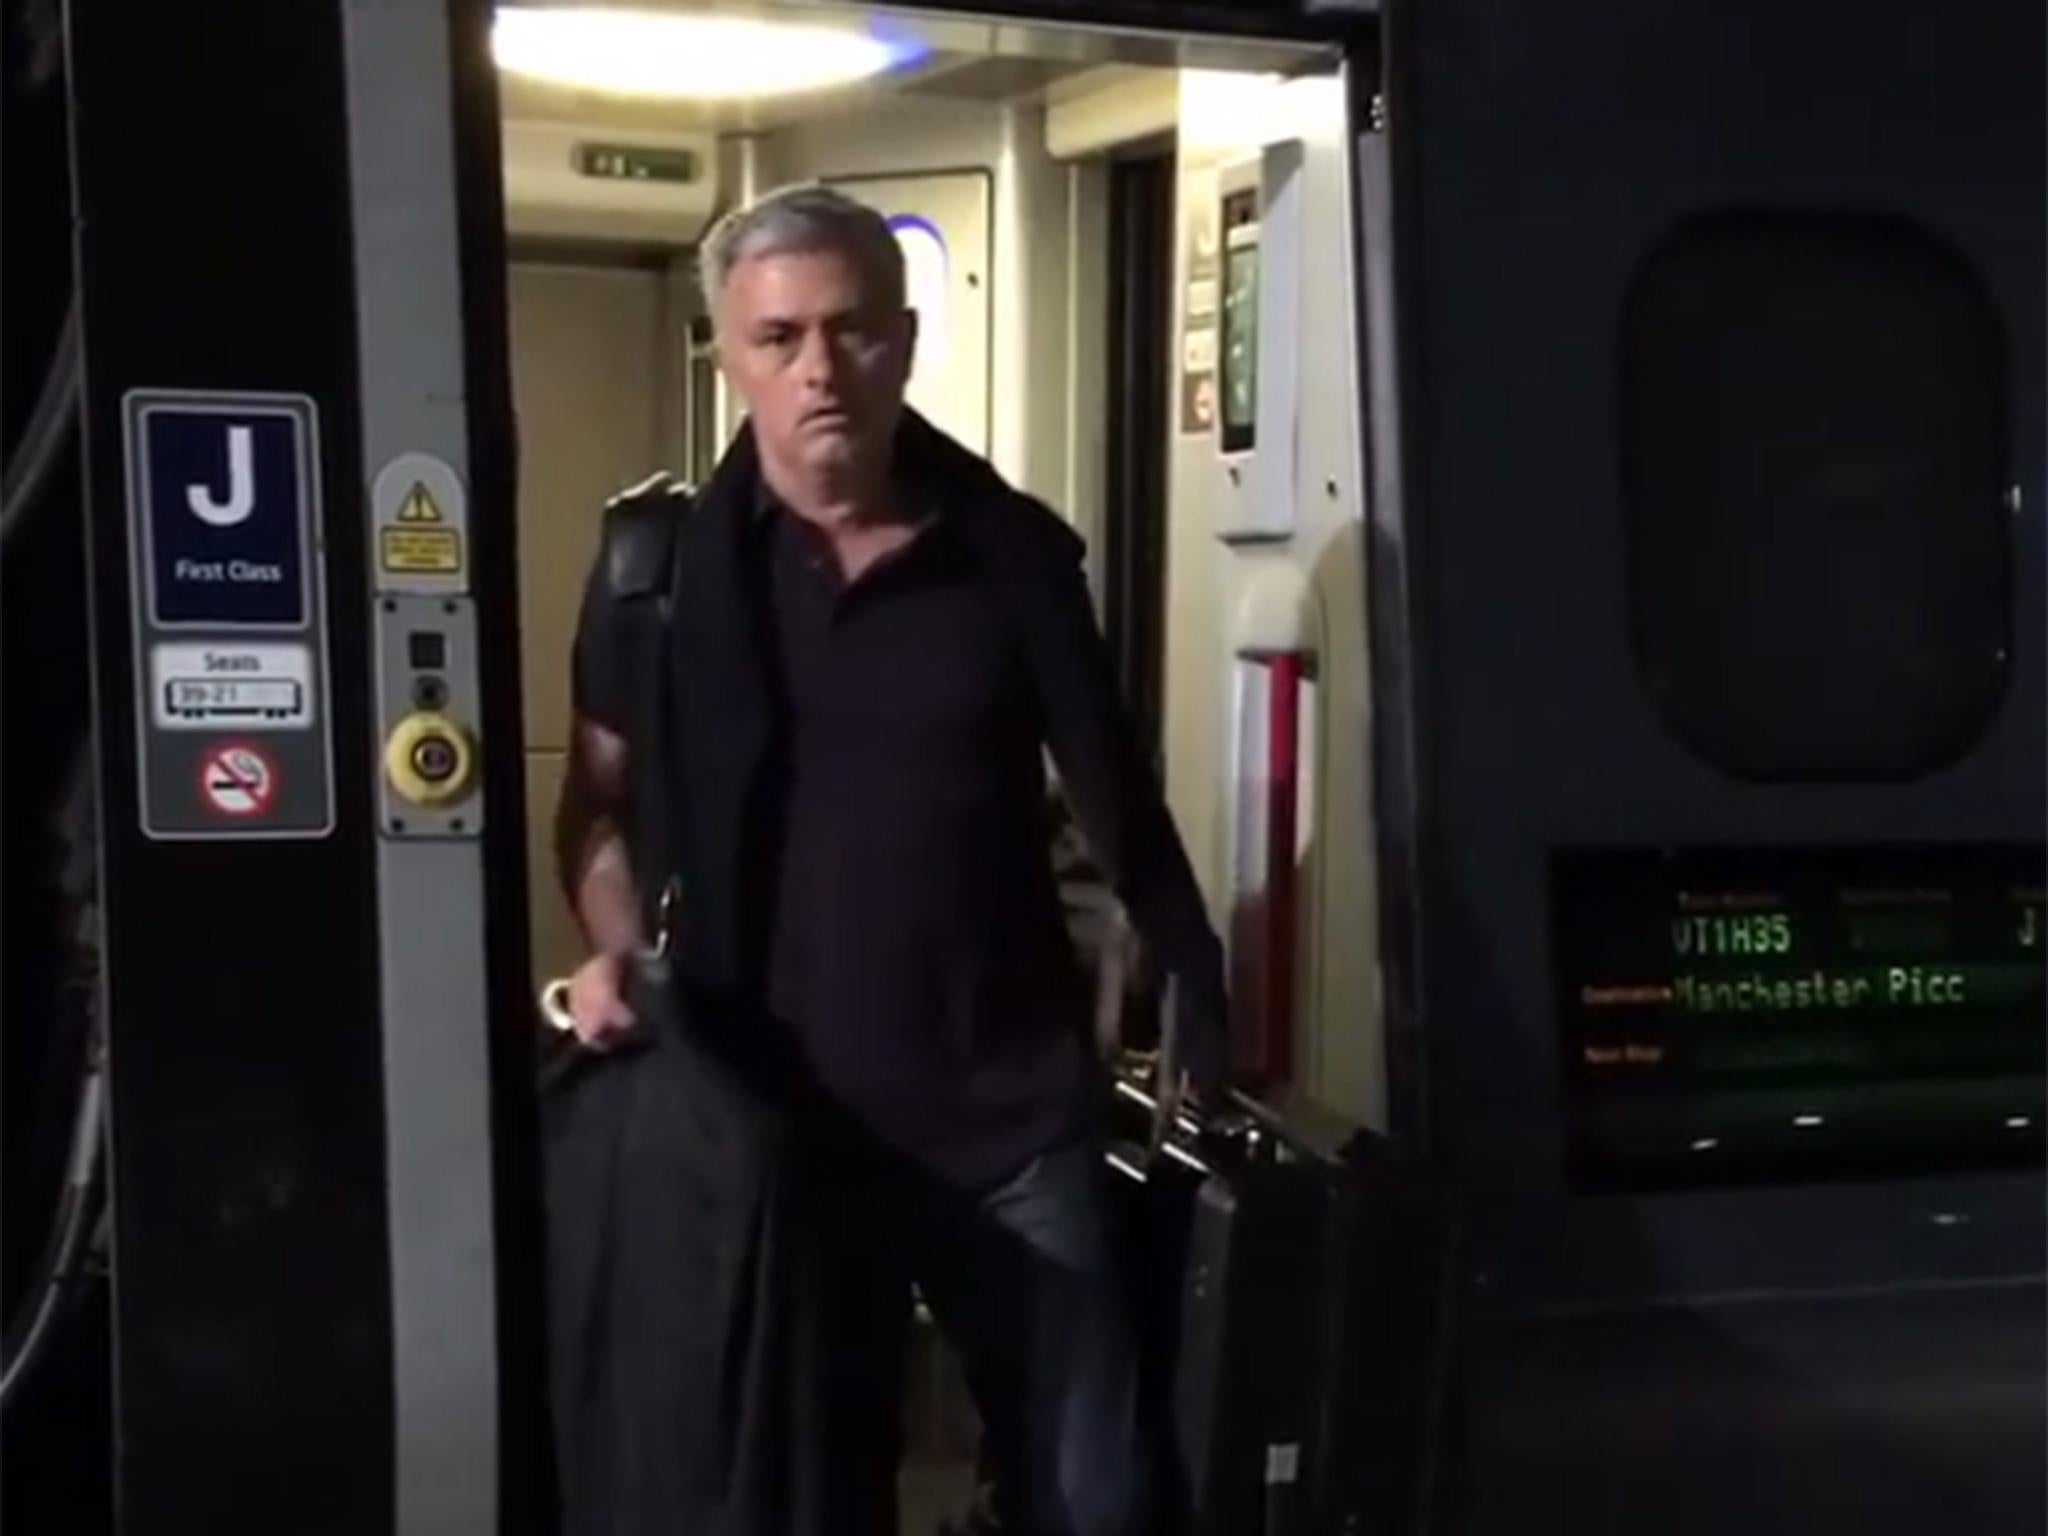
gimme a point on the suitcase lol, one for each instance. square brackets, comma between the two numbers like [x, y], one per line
[1293, 1283]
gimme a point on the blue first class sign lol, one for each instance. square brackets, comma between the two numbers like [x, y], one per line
[224, 484]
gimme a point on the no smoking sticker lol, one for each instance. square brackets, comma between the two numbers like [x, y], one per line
[237, 780]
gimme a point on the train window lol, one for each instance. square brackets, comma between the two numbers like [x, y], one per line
[1813, 465]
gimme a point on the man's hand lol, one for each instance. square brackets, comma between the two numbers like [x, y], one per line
[597, 1002]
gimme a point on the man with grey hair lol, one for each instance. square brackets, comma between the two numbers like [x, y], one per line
[820, 785]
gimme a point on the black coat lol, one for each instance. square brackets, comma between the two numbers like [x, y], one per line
[690, 1378]
[693, 1232]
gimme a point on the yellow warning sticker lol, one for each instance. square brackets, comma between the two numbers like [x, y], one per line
[415, 550]
[420, 507]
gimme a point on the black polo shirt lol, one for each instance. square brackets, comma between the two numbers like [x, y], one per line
[915, 945]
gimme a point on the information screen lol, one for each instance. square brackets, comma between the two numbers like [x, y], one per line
[1787, 1014]
[1240, 341]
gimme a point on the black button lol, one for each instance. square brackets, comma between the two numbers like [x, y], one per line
[427, 650]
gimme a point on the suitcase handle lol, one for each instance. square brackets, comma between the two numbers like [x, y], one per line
[1171, 1087]
[1173, 1131]
[1168, 1089]
[1176, 1132]
[1148, 1100]
[1134, 1162]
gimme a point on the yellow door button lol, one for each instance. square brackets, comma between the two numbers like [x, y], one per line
[429, 759]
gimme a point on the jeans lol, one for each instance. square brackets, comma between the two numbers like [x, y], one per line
[1023, 1282]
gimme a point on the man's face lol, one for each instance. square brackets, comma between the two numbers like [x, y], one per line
[820, 363]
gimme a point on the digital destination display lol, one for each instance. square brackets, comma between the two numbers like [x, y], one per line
[1783, 1014]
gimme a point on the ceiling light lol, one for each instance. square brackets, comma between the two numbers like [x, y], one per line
[638, 53]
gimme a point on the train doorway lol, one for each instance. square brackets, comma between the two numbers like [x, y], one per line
[1059, 200]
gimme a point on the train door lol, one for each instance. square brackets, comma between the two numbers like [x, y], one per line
[360, 378]
[1723, 599]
